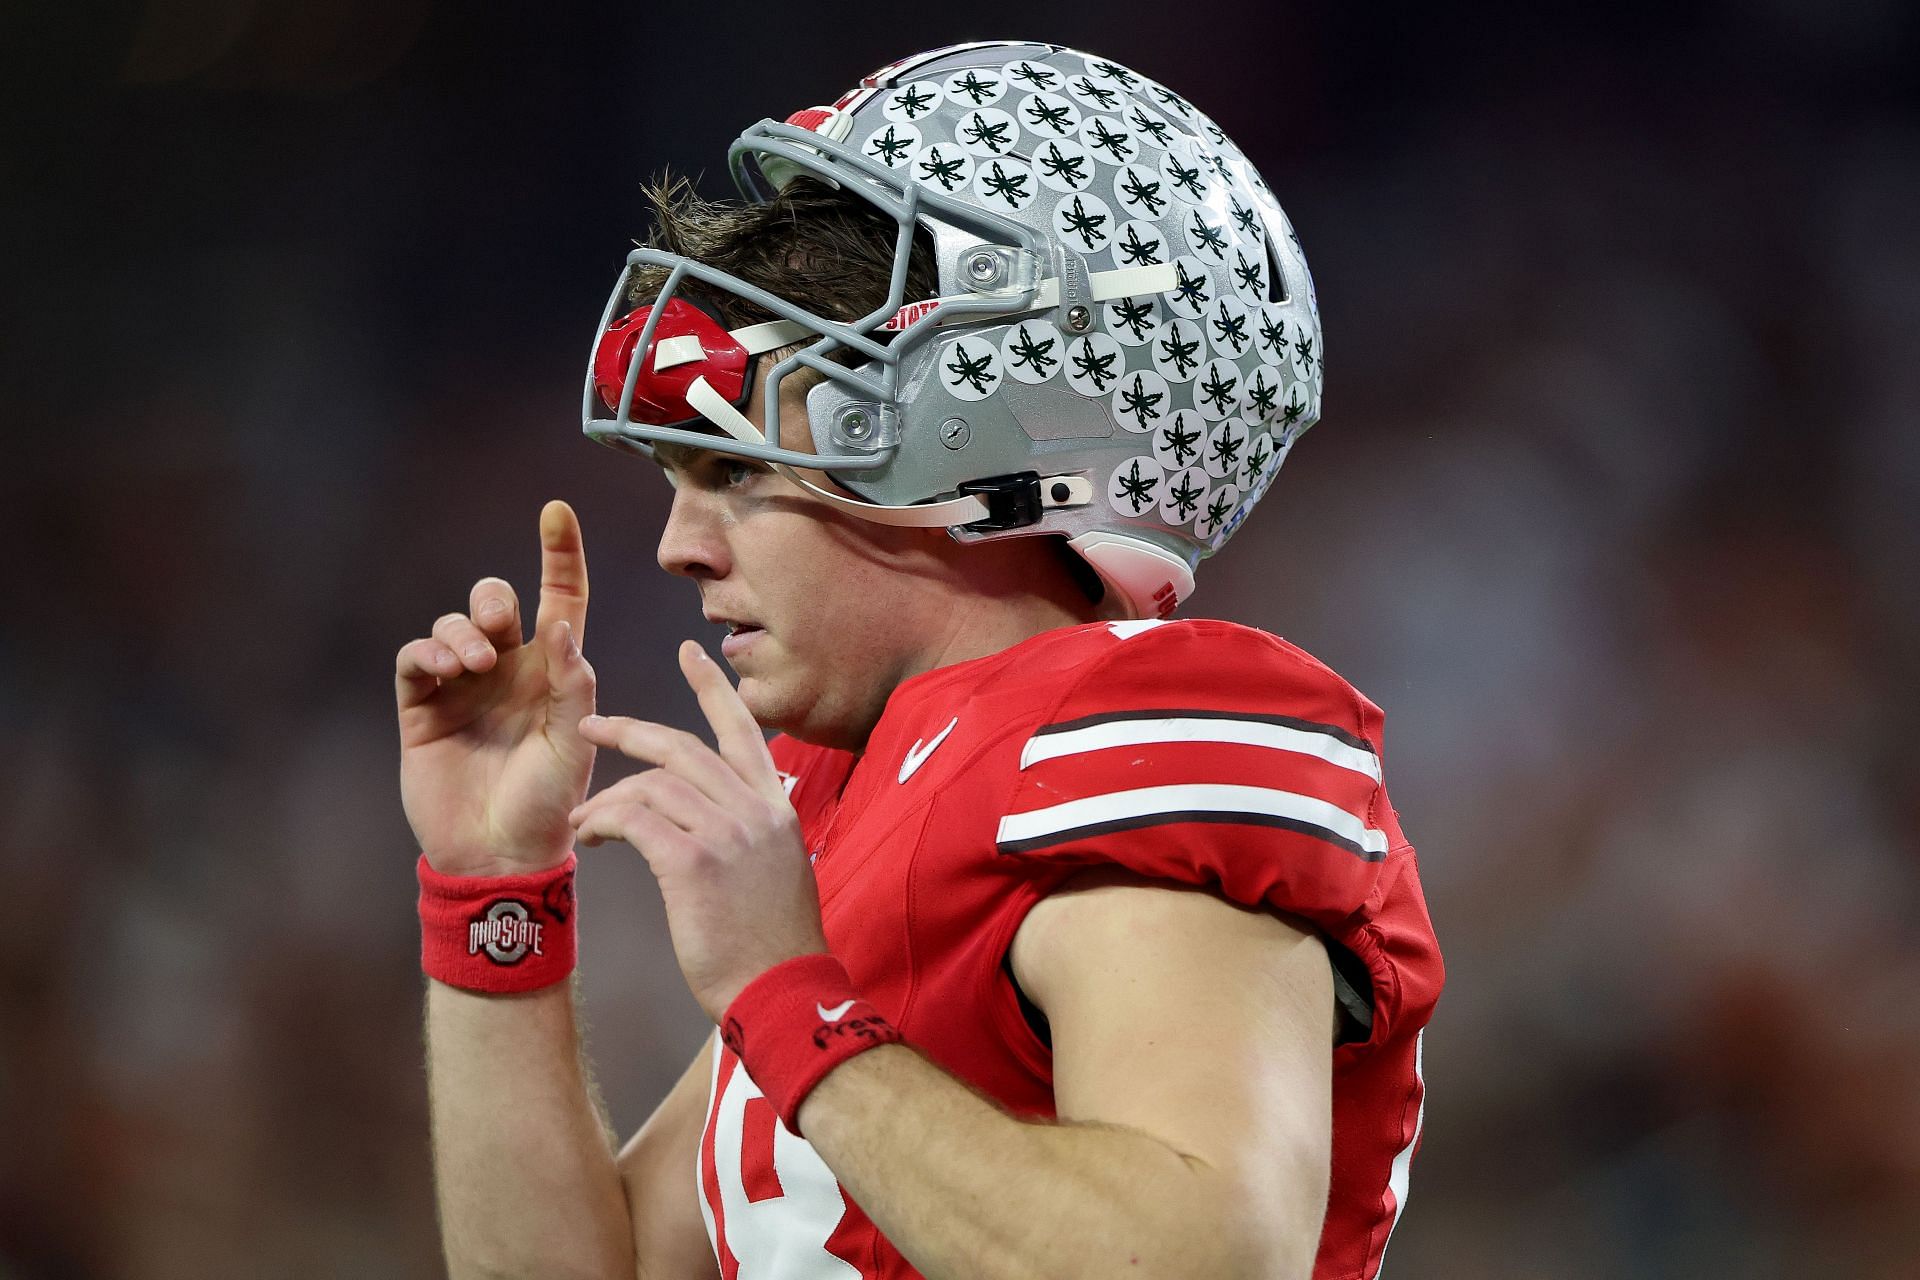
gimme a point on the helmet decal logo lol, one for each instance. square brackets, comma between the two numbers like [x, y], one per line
[1294, 410]
[1172, 101]
[1178, 443]
[1138, 403]
[1214, 394]
[1138, 192]
[1006, 183]
[1157, 132]
[1227, 327]
[1189, 183]
[975, 87]
[1273, 332]
[1115, 72]
[1083, 219]
[1035, 75]
[1176, 349]
[970, 371]
[1219, 506]
[1132, 320]
[1065, 166]
[1303, 353]
[1050, 113]
[1249, 278]
[1031, 351]
[944, 166]
[987, 131]
[1140, 245]
[1224, 444]
[1205, 237]
[1243, 217]
[909, 102]
[1133, 487]
[1104, 136]
[1258, 455]
[894, 145]
[1260, 399]
[1092, 96]
[1189, 296]
[1091, 360]
[1185, 490]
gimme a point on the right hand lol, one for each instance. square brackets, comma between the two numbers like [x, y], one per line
[491, 758]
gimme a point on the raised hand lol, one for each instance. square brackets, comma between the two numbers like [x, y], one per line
[715, 826]
[491, 757]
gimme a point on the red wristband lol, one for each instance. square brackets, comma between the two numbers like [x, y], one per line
[498, 933]
[796, 1022]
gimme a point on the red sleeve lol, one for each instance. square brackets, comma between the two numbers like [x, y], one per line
[1212, 754]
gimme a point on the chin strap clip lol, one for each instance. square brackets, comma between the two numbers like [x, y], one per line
[1016, 501]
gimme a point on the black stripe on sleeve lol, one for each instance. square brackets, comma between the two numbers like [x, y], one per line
[1089, 830]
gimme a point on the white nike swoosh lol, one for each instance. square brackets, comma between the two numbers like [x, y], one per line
[834, 1014]
[917, 756]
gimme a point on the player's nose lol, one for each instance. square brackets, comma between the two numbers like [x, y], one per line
[693, 544]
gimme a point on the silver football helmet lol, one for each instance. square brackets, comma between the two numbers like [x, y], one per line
[1124, 347]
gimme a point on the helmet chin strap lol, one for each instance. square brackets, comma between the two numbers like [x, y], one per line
[713, 406]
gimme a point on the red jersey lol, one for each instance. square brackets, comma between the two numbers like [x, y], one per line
[1194, 751]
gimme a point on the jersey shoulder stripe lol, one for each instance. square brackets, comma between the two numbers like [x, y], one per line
[1146, 727]
[1131, 810]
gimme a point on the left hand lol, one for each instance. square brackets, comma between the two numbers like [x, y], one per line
[717, 831]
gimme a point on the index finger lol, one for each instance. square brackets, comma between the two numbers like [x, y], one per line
[563, 571]
[735, 732]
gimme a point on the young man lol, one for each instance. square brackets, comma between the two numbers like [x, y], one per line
[1052, 937]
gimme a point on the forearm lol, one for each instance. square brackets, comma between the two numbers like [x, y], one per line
[965, 1190]
[523, 1162]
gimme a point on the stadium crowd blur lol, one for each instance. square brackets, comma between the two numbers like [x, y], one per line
[1613, 509]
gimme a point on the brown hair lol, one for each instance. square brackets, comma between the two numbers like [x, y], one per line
[812, 244]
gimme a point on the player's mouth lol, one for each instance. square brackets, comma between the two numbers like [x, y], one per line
[740, 636]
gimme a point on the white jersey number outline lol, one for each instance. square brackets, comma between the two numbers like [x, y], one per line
[781, 1237]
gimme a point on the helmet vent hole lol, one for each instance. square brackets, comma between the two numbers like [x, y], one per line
[1276, 277]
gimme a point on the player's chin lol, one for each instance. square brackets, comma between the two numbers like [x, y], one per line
[761, 687]
[774, 707]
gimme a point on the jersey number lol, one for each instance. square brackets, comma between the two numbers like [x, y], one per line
[779, 1202]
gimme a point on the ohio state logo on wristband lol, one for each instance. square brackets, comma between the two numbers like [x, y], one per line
[871, 1028]
[507, 933]
[498, 934]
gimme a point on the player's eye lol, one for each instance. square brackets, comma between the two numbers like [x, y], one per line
[734, 473]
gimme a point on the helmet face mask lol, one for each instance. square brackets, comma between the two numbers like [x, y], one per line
[1125, 330]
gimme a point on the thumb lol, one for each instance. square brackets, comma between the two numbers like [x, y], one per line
[570, 681]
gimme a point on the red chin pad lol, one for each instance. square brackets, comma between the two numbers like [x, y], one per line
[660, 397]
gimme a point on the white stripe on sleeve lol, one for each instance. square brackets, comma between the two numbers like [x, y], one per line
[1205, 798]
[1250, 733]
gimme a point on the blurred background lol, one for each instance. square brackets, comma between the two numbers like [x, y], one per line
[1612, 508]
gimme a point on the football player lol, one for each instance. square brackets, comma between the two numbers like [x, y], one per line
[1053, 934]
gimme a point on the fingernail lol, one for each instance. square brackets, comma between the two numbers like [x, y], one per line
[592, 722]
[475, 652]
[493, 606]
[566, 634]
